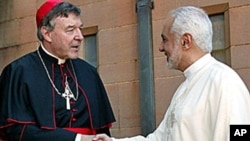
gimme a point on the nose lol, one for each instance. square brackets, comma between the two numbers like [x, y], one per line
[161, 48]
[79, 35]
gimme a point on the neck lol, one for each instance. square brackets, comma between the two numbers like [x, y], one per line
[60, 61]
[189, 57]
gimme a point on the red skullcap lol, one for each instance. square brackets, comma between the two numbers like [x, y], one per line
[44, 10]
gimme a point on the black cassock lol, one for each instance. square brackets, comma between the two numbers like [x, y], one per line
[31, 109]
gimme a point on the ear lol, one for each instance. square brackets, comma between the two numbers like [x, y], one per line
[46, 34]
[186, 40]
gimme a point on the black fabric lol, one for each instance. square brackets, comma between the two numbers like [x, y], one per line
[34, 133]
[28, 98]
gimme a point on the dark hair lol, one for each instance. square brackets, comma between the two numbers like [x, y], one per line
[62, 10]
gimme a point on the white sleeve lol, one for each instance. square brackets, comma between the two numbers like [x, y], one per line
[136, 138]
[158, 135]
[78, 137]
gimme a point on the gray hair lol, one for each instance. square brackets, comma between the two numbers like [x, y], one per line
[62, 9]
[189, 19]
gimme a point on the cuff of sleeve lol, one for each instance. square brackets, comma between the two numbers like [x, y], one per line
[78, 137]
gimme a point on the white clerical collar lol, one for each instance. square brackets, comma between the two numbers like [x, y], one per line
[60, 61]
[197, 65]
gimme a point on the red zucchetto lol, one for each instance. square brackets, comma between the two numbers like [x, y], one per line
[44, 10]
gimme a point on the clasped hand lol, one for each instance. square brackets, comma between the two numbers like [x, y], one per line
[98, 137]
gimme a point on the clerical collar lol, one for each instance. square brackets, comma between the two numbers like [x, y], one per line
[196, 66]
[60, 61]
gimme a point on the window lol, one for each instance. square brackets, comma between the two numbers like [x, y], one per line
[218, 37]
[218, 15]
[90, 45]
[91, 50]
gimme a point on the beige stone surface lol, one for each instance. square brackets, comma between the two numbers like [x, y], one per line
[118, 50]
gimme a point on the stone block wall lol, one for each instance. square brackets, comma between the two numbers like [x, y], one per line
[118, 50]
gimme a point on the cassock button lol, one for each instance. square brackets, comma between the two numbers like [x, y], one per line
[74, 110]
[74, 119]
[72, 102]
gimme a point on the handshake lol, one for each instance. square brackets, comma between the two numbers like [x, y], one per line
[98, 137]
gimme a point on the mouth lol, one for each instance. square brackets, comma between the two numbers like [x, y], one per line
[75, 46]
[167, 56]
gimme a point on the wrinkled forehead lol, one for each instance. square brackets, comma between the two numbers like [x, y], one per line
[167, 24]
[71, 20]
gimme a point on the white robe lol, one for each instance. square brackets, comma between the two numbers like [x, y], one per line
[204, 106]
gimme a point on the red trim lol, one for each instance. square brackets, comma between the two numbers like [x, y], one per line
[85, 131]
[85, 96]
[7, 125]
[62, 74]
[22, 132]
[53, 95]
[109, 125]
[10, 120]
[88, 106]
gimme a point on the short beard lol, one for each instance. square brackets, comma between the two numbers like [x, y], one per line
[174, 59]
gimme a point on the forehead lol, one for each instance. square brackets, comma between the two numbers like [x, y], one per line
[71, 19]
[167, 25]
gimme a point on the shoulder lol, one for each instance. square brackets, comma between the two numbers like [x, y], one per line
[23, 62]
[224, 76]
[21, 68]
[81, 65]
[220, 69]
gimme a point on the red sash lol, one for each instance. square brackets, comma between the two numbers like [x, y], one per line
[85, 131]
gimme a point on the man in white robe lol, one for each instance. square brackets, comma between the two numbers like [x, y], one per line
[211, 98]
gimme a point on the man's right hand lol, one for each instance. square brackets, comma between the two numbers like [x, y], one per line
[102, 137]
[87, 137]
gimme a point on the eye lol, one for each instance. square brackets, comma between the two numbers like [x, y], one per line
[70, 30]
[164, 38]
[81, 27]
